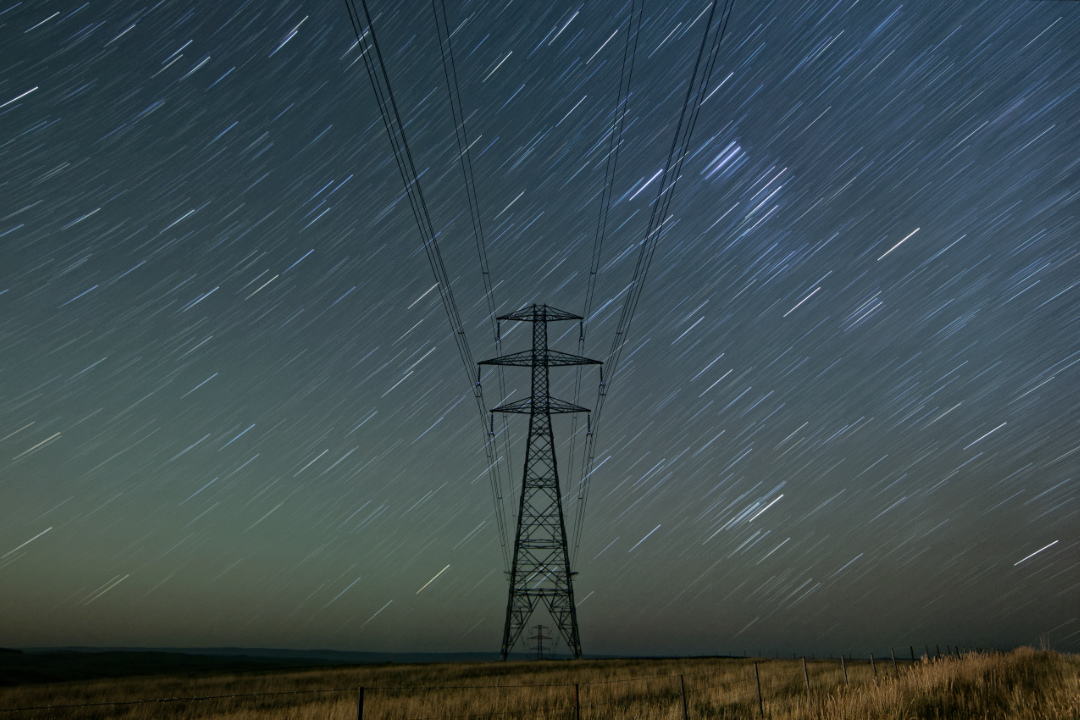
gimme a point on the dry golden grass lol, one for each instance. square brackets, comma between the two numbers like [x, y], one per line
[1023, 684]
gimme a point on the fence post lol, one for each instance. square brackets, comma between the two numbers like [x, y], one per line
[872, 665]
[760, 703]
[577, 703]
[843, 666]
[912, 649]
[895, 671]
[806, 677]
[360, 705]
[682, 689]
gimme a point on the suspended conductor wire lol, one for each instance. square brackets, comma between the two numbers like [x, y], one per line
[446, 51]
[395, 131]
[615, 138]
[680, 144]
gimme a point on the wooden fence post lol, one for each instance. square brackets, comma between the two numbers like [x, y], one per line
[760, 703]
[893, 655]
[806, 678]
[360, 705]
[843, 666]
[682, 689]
[577, 702]
[912, 649]
[872, 665]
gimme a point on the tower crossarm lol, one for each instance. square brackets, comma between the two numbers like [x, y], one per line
[526, 406]
[548, 358]
[539, 313]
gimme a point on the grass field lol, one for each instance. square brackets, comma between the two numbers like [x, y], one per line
[1022, 684]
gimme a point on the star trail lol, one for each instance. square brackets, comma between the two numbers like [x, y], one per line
[844, 418]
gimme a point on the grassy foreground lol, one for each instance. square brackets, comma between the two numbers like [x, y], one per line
[1021, 684]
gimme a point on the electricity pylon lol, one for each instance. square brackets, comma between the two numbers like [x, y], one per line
[541, 570]
[539, 639]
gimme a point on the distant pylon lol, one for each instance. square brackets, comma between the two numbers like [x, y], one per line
[539, 639]
[541, 568]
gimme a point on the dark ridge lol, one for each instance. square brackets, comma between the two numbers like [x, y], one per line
[62, 664]
[31, 667]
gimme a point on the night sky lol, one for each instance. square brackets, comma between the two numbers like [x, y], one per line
[231, 408]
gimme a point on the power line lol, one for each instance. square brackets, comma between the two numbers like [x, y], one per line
[395, 131]
[615, 138]
[442, 28]
[680, 145]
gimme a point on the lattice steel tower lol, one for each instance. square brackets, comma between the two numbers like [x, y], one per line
[539, 639]
[541, 570]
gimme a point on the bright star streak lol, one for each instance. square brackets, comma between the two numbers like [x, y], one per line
[433, 579]
[1036, 553]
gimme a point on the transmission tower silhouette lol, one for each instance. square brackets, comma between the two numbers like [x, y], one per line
[541, 567]
[539, 639]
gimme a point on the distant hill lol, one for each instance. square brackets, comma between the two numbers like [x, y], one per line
[42, 665]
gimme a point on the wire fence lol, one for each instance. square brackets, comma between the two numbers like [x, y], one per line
[720, 688]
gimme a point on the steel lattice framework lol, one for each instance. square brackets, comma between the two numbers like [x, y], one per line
[541, 568]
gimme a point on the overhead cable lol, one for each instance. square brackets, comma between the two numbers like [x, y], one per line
[658, 220]
[446, 51]
[615, 138]
[395, 131]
